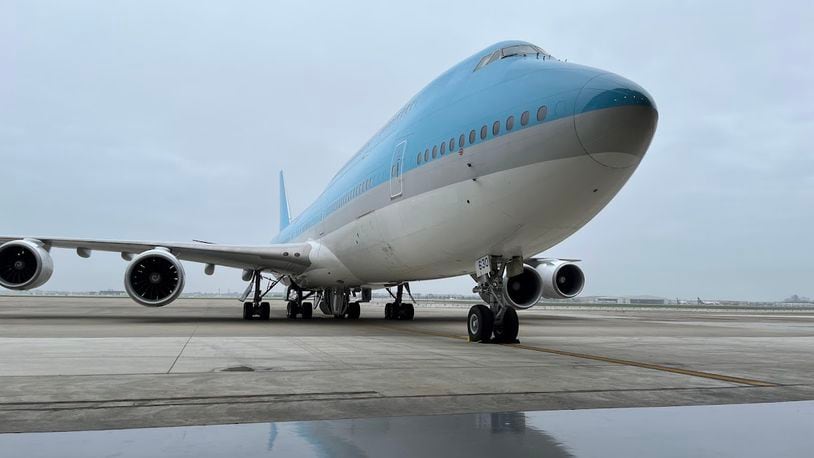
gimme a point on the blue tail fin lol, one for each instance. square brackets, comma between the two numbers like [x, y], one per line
[285, 217]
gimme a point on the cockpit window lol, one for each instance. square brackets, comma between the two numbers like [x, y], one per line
[510, 51]
[520, 50]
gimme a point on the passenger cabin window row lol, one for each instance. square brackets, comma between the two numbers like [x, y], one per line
[357, 191]
[300, 226]
[436, 151]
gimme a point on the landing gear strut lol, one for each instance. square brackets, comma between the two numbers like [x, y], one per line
[257, 307]
[294, 295]
[497, 319]
[297, 305]
[399, 310]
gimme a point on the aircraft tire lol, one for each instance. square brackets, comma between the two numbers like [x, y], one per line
[354, 310]
[479, 323]
[506, 332]
[388, 311]
[406, 311]
[247, 310]
[291, 310]
[265, 311]
[307, 310]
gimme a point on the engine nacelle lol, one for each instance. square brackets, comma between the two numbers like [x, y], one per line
[154, 278]
[24, 264]
[524, 290]
[561, 279]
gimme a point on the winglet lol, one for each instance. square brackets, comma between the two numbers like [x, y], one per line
[285, 217]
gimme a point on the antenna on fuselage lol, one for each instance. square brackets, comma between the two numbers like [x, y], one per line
[285, 216]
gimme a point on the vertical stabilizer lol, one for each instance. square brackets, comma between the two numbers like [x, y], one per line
[285, 217]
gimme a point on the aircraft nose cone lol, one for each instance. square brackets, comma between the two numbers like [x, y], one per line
[615, 120]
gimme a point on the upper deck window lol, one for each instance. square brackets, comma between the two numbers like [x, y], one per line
[510, 51]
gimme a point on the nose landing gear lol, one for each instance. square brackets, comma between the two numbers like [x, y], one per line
[497, 322]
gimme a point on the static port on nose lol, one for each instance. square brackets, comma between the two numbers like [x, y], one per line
[615, 120]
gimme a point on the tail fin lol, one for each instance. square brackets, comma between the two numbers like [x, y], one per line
[285, 217]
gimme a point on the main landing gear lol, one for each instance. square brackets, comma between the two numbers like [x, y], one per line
[257, 307]
[331, 301]
[496, 322]
[296, 305]
[399, 310]
[336, 302]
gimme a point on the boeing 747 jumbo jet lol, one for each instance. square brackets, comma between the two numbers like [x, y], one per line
[500, 158]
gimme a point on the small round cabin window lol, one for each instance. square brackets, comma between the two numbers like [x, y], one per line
[542, 112]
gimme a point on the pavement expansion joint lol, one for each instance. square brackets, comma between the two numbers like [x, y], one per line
[187, 401]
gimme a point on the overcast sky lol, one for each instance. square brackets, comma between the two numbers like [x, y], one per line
[159, 120]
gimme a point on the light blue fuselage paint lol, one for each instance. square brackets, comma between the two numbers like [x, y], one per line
[458, 102]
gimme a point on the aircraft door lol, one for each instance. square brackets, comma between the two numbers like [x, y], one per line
[396, 169]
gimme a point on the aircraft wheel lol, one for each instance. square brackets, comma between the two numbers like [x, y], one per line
[323, 307]
[291, 310]
[479, 323]
[265, 311]
[307, 310]
[354, 310]
[388, 311]
[406, 311]
[248, 310]
[506, 332]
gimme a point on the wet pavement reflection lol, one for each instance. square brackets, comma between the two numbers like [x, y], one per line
[777, 430]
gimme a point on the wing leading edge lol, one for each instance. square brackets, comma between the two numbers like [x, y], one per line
[286, 258]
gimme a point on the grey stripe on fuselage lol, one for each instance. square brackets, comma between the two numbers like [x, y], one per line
[545, 142]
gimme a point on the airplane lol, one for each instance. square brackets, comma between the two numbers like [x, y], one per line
[500, 158]
[703, 302]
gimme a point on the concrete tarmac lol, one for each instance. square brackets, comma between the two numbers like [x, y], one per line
[100, 363]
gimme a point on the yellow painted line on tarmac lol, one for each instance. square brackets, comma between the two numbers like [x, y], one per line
[657, 367]
[606, 359]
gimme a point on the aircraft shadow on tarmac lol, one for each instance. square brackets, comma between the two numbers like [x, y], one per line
[276, 319]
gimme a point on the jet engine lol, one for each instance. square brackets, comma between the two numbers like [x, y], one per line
[561, 279]
[524, 290]
[154, 278]
[24, 264]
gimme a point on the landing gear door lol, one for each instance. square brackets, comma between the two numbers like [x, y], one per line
[396, 169]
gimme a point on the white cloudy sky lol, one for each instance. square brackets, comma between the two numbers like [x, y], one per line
[161, 120]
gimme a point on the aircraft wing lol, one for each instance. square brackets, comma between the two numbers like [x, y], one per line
[534, 262]
[289, 258]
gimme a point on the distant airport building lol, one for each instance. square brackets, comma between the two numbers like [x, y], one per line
[625, 300]
[647, 301]
[607, 300]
